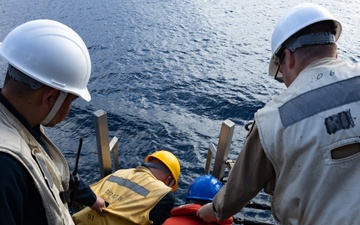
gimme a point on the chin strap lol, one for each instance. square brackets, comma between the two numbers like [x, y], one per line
[59, 101]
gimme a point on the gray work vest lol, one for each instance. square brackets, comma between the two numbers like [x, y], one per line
[319, 112]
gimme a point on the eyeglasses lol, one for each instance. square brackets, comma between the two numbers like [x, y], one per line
[281, 57]
[172, 182]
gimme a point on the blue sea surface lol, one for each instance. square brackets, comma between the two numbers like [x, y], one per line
[168, 73]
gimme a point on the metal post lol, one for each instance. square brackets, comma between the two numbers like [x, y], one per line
[211, 152]
[114, 149]
[226, 134]
[102, 140]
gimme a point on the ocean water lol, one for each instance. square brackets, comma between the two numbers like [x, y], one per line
[168, 73]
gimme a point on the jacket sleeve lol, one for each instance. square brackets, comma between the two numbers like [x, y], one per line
[251, 173]
[162, 209]
[84, 195]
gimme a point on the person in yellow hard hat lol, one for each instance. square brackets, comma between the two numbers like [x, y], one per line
[48, 68]
[303, 148]
[143, 195]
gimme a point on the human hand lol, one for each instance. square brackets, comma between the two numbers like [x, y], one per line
[99, 205]
[207, 213]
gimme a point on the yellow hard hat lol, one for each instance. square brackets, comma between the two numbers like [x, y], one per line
[171, 162]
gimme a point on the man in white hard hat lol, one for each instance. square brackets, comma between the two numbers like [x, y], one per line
[303, 148]
[49, 67]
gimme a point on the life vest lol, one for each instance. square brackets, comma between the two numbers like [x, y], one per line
[319, 112]
[51, 175]
[131, 194]
[186, 215]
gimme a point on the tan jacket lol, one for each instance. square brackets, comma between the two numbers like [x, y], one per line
[50, 175]
[253, 171]
[299, 132]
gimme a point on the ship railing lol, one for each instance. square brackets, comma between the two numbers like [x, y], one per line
[104, 146]
[219, 153]
[109, 163]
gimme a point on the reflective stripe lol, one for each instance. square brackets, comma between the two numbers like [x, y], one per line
[130, 185]
[320, 100]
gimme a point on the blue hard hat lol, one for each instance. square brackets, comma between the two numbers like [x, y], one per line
[204, 188]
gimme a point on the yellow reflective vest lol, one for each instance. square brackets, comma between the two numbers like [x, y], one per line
[131, 194]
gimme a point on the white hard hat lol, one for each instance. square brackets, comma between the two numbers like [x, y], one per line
[51, 53]
[296, 19]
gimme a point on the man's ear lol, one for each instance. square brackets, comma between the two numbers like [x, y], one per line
[289, 59]
[168, 180]
[49, 97]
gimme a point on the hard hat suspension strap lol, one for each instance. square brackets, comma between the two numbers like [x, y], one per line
[59, 101]
[309, 39]
[20, 76]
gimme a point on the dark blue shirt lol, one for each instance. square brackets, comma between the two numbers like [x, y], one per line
[162, 209]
